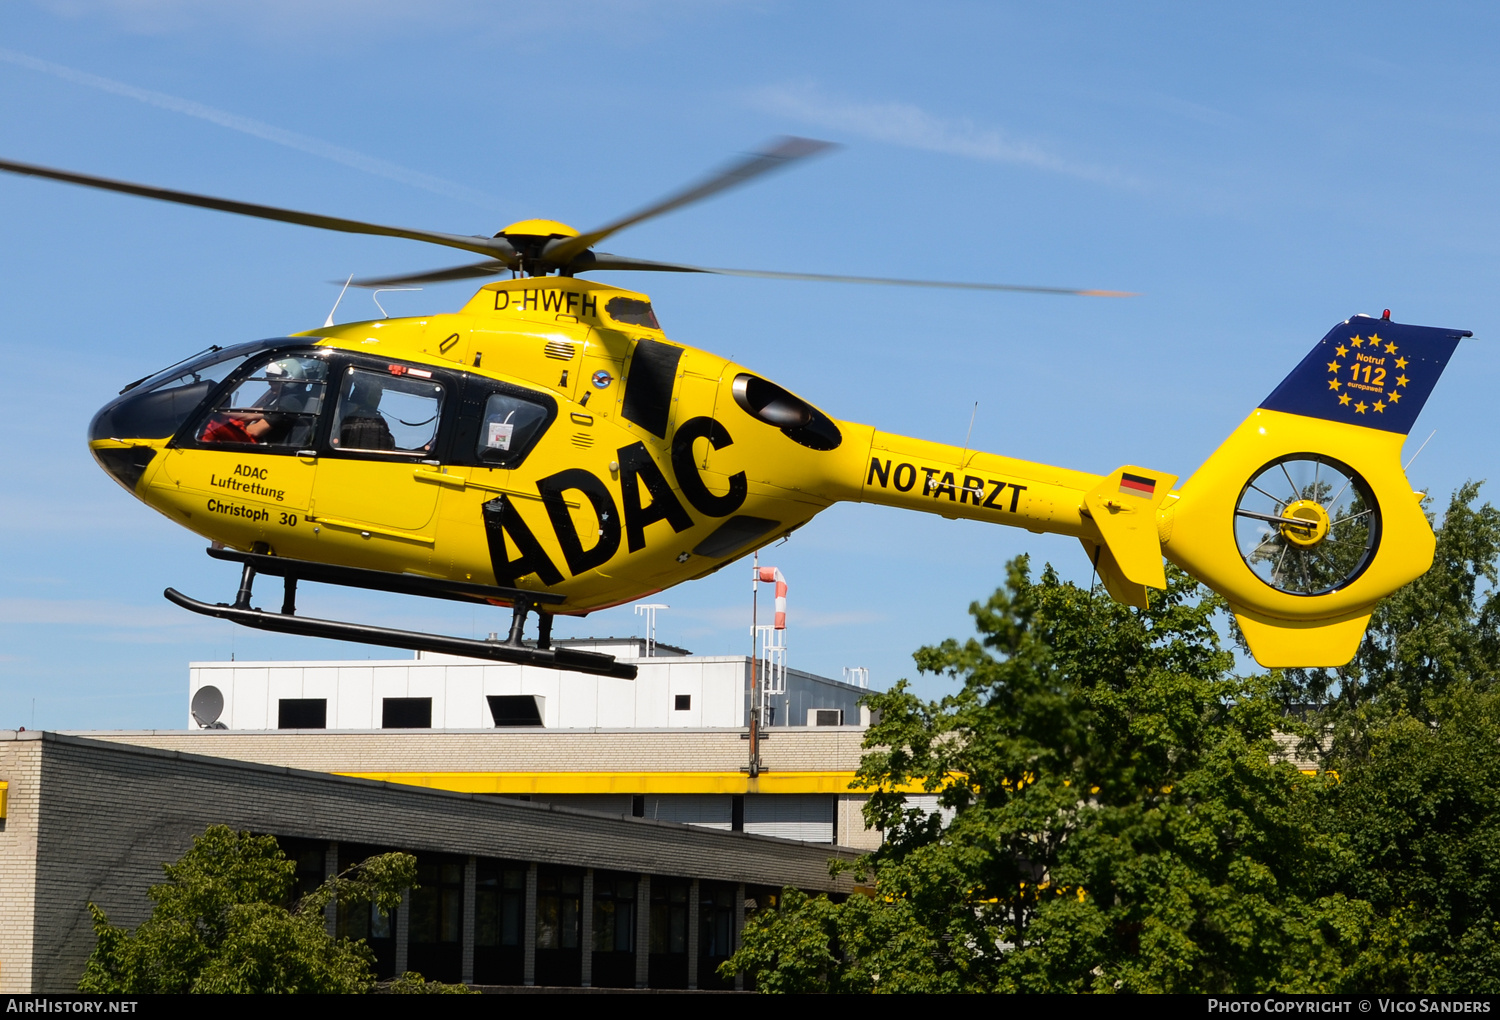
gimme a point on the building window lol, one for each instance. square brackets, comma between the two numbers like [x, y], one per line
[715, 932]
[310, 856]
[406, 713]
[683, 703]
[825, 717]
[669, 930]
[365, 920]
[515, 709]
[499, 914]
[559, 922]
[436, 919]
[558, 909]
[669, 898]
[302, 714]
[614, 930]
[614, 913]
[501, 901]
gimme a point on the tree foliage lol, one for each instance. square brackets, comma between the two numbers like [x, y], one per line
[221, 924]
[1120, 817]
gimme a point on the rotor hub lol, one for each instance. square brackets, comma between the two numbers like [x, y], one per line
[1312, 523]
[529, 239]
[545, 229]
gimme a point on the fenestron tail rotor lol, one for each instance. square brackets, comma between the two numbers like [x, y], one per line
[540, 247]
[1307, 524]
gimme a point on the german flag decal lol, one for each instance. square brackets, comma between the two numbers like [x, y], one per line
[1137, 485]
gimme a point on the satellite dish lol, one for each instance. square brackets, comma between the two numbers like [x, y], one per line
[208, 705]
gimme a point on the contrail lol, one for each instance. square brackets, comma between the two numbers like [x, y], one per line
[257, 129]
[911, 126]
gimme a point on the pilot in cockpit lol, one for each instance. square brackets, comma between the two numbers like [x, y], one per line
[283, 413]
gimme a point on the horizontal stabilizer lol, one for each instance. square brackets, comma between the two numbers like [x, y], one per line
[1124, 507]
[1121, 590]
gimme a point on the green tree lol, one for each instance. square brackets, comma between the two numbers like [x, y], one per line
[1118, 818]
[1123, 820]
[1413, 731]
[1416, 821]
[221, 925]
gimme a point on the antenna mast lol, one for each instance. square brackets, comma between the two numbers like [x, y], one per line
[754, 767]
[649, 610]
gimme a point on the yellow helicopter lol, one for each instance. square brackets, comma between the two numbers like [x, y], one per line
[548, 448]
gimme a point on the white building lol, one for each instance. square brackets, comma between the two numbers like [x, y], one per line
[672, 689]
[667, 745]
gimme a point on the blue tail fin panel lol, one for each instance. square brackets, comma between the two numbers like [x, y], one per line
[1370, 372]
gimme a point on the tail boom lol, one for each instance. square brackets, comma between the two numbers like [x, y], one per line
[1115, 516]
[915, 474]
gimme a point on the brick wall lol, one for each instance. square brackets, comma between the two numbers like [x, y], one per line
[20, 766]
[809, 749]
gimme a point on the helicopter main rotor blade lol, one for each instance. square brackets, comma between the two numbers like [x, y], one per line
[603, 260]
[783, 152]
[489, 267]
[496, 247]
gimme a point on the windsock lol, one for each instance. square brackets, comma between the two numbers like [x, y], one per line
[769, 574]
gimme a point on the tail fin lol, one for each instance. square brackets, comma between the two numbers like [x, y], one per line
[1303, 518]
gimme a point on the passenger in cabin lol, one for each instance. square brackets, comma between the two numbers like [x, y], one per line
[361, 425]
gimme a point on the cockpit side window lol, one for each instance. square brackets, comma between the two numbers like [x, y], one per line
[499, 423]
[395, 412]
[511, 424]
[275, 405]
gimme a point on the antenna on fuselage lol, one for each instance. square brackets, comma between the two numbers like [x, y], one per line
[386, 290]
[968, 435]
[328, 323]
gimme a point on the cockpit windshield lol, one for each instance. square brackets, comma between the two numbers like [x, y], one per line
[156, 407]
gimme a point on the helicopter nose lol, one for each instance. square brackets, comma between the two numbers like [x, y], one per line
[125, 464]
[115, 431]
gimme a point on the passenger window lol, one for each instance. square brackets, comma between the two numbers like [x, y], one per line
[509, 427]
[395, 411]
[276, 405]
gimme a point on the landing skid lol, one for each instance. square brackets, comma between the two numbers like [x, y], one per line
[287, 622]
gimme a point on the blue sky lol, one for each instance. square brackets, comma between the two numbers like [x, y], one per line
[1257, 173]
